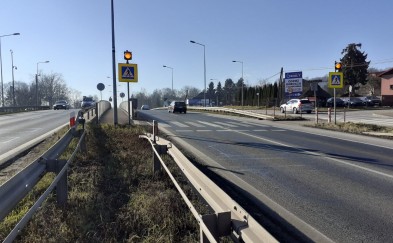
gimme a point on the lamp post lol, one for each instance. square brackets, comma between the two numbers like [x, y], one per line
[204, 67]
[1, 69]
[172, 74]
[242, 80]
[13, 80]
[258, 99]
[36, 84]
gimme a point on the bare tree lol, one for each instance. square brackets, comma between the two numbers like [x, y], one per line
[52, 87]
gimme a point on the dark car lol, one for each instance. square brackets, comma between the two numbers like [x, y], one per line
[353, 102]
[339, 102]
[61, 104]
[87, 102]
[177, 106]
[372, 101]
[145, 107]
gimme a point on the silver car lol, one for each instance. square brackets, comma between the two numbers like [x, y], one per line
[297, 105]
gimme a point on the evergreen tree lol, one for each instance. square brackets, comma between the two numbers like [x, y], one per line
[354, 64]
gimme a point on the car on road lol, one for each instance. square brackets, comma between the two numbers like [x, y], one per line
[61, 104]
[372, 101]
[339, 102]
[145, 107]
[177, 106]
[87, 102]
[297, 105]
[353, 102]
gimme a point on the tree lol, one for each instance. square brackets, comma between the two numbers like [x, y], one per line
[354, 65]
[219, 92]
[210, 91]
[228, 91]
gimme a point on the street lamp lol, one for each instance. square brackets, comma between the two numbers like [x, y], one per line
[242, 80]
[1, 69]
[204, 65]
[13, 82]
[36, 84]
[172, 74]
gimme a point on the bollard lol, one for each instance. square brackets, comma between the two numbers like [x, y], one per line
[344, 114]
[329, 115]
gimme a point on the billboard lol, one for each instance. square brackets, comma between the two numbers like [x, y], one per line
[293, 85]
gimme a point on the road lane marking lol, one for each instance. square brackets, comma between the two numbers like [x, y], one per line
[179, 124]
[9, 139]
[195, 124]
[321, 155]
[203, 130]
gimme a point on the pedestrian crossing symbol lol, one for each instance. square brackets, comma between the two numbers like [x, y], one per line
[336, 80]
[128, 72]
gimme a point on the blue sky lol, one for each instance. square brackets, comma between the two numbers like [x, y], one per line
[75, 36]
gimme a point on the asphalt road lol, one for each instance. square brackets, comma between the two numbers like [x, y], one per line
[336, 185]
[19, 130]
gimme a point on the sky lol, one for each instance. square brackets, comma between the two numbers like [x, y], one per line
[75, 36]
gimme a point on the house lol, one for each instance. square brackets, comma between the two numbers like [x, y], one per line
[387, 87]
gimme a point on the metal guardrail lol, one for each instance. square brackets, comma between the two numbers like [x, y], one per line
[16, 188]
[229, 217]
[235, 111]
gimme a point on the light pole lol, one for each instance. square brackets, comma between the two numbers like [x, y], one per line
[13, 81]
[242, 80]
[1, 69]
[172, 74]
[36, 84]
[258, 99]
[204, 67]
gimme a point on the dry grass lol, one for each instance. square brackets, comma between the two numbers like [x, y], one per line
[113, 197]
[357, 128]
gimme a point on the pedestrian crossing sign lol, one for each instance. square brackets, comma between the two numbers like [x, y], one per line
[128, 72]
[336, 80]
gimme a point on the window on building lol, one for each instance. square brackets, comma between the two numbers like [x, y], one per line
[391, 87]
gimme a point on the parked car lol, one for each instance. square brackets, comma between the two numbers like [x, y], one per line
[372, 101]
[61, 104]
[145, 107]
[353, 102]
[297, 105]
[87, 102]
[339, 102]
[177, 106]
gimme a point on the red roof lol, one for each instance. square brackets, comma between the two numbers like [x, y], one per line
[387, 72]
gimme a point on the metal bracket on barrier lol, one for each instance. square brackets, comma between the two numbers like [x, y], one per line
[219, 224]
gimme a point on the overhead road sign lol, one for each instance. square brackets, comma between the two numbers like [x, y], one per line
[128, 72]
[336, 80]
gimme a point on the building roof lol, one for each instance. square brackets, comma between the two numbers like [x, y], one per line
[387, 72]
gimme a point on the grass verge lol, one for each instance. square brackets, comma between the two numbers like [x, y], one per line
[113, 196]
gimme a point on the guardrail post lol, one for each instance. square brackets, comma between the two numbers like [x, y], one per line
[218, 224]
[61, 187]
[161, 149]
[155, 130]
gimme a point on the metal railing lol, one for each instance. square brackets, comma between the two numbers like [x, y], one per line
[16, 188]
[229, 219]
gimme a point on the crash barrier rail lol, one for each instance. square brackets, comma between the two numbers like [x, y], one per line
[235, 111]
[124, 105]
[101, 107]
[16, 188]
[229, 219]
[11, 109]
